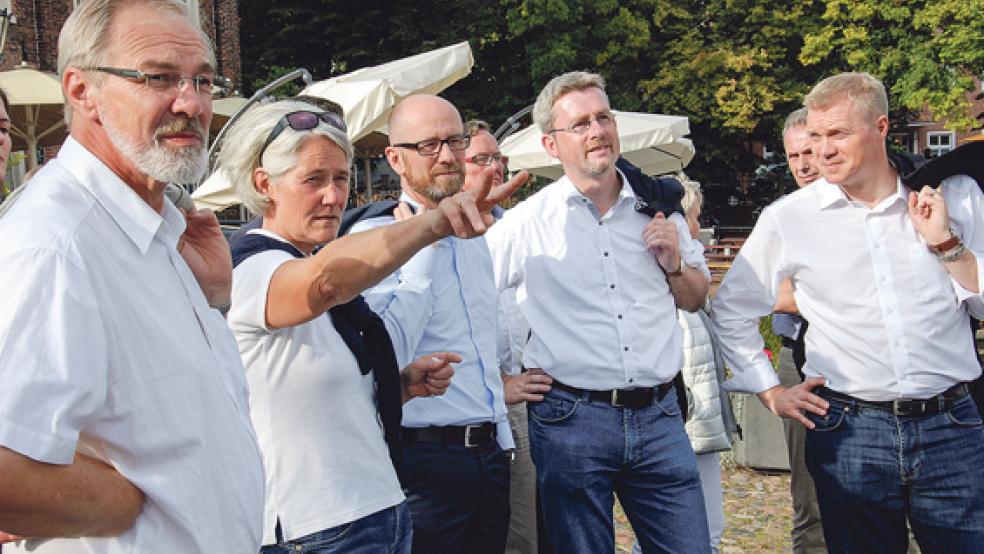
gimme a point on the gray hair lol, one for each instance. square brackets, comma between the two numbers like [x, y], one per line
[476, 126]
[795, 119]
[84, 39]
[241, 155]
[557, 87]
[863, 90]
[692, 195]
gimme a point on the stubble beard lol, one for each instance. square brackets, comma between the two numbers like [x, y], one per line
[181, 166]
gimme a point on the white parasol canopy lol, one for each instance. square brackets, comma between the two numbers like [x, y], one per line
[367, 96]
[36, 110]
[655, 143]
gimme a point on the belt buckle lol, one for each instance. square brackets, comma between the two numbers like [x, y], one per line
[904, 407]
[468, 436]
[614, 400]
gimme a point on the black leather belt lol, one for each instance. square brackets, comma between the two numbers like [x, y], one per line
[469, 436]
[634, 398]
[905, 407]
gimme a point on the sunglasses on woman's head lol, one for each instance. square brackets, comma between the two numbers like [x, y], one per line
[303, 120]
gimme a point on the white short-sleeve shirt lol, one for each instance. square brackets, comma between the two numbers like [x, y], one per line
[107, 345]
[315, 417]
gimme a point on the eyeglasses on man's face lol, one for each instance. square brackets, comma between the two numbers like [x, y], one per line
[606, 120]
[205, 85]
[487, 159]
[303, 120]
[432, 147]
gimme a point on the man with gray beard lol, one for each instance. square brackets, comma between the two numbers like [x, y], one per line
[123, 418]
[455, 470]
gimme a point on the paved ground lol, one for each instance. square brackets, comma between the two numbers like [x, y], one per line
[757, 514]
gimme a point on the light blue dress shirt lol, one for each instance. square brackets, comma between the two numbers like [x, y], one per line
[445, 300]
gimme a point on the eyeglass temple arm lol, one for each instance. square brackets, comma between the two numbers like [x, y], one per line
[304, 74]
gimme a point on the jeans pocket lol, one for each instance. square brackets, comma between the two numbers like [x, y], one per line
[964, 414]
[553, 409]
[831, 421]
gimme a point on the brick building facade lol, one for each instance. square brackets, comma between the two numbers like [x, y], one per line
[32, 37]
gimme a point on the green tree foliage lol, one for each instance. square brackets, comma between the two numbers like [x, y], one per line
[734, 67]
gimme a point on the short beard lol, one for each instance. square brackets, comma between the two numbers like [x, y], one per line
[181, 166]
[598, 169]
[427, 186]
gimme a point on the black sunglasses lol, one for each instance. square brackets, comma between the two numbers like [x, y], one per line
[303, 120]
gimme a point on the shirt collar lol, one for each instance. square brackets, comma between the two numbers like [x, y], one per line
[831, 194]
[138, 221]
[573, 196]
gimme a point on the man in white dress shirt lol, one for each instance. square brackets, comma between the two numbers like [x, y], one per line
[886, 278]
[123, 417]
[599, 284]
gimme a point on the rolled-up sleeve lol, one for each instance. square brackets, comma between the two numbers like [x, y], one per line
[963, 200]
[691, 250]
[748, 293]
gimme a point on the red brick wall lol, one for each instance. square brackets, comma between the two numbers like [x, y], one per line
[34, 39]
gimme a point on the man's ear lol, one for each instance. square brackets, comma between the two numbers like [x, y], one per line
[549, 143]
[882, 124]
[80, 93]
[394, 159]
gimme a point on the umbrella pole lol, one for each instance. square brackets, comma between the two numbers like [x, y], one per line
[32, 137]
[367, 163]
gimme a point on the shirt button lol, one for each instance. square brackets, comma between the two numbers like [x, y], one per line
[601, 223]
[606, 254]
[620, 316]
[611, 286]
[632, 379]
[626, 348]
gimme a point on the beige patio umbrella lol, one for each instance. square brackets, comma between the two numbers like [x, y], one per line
[367, 96]
[36, 110]
[655, 143]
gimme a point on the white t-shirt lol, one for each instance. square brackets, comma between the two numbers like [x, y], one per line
[326, 461]
[108, 345]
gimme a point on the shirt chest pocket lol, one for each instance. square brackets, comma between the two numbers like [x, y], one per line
[928, 275]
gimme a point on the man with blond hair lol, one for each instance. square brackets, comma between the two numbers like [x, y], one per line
[886, 278]
[599, 284]
[123, 418]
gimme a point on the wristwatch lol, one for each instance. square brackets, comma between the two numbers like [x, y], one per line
[949, 250]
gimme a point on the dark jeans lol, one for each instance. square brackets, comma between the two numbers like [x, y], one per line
[587, 452]
[873, 470]
[384, 532]
[459, 498]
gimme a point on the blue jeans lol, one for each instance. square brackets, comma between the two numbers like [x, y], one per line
[459, 498]
[873, 470]
[386, 531]
[587, 452]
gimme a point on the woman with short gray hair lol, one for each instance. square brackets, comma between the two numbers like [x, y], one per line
[314, 377]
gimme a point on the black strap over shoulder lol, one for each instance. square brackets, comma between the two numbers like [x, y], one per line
[653, 195]
[363, 332]
[356, 214]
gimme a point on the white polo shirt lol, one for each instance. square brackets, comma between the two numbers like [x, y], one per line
[327, 463]
[108, 345]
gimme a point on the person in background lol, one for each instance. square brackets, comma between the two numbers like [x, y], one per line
[710, 420]
[790, 327]
[520, 387]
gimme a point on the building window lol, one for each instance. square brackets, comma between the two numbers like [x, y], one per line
[940, 142]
